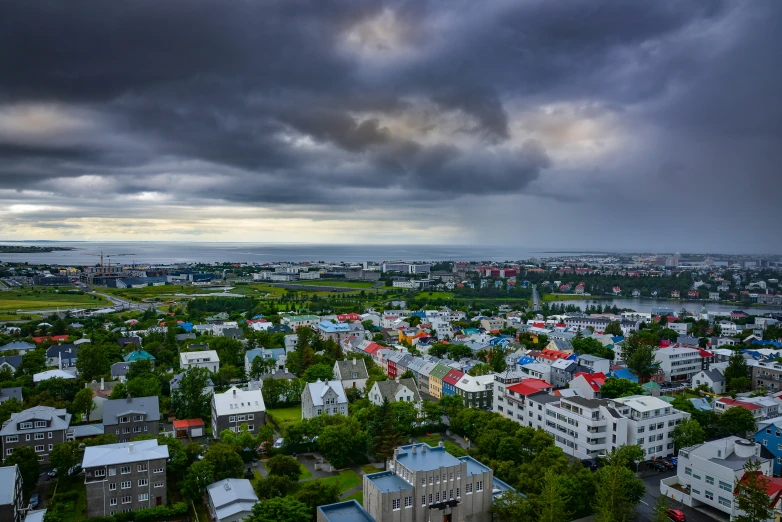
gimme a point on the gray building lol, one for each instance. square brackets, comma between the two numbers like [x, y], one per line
[124, 477]
[323, 398]
[231, 500]
[12, 362]
[39, 428]
[767, 374]
[174, 384]
[425, 483]
[348, 510]
[403, 390]
[120, 370]
[10, 393]
[562, 372]
[352, 372]
[64, 354]
[128, 418]
[10, 494]
[21, 347]
[235, 407]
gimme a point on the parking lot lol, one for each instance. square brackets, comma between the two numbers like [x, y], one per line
[652, 482]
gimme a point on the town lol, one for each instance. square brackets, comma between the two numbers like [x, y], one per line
[392, 391]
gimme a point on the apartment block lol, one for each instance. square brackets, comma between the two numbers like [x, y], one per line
[679, 364]
[39, 428]
[128, 418]
[124, 477]
[235, 407]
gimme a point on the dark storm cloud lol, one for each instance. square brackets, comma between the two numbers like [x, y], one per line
[308, 102]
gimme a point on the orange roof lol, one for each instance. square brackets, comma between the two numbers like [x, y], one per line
[187, 423]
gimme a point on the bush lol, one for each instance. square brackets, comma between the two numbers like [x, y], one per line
[146, 515]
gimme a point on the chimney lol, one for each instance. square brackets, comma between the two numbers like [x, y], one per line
[414, 450]
[440, 444]
[59, 362]
[423, 448]
[102, 384]
[130, 447]
[227, 485]
[234, 392]
[354, 361]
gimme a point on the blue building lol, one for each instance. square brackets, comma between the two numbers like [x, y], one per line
[770, 436]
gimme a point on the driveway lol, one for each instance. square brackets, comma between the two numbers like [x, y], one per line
[652, 482]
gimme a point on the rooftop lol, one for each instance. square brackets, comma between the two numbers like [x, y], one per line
[7, 482]
[387, 481]
[110, 454]
[425, 457]
[349, 511]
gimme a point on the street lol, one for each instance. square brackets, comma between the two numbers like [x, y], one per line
[652, 483]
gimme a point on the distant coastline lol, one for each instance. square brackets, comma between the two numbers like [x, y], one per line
[18, 249]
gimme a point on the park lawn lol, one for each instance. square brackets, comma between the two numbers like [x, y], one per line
[163, 293]
[286, 416]
[358, 497]
[336, 283]
[345, 480]
[263, 288]
[370, 468]
[434, 295]
[14, 300]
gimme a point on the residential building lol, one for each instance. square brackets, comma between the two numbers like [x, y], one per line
[586, 428]
[711, 378]
[588, 385]
[62, 355]
[760, 407]
[11, 494]
[235, 407]
[679, 364]
[231, 500]
[514, 403]
[131, 417]
[540, 371]
[712, 471]
[334, 331]
[594, 364]
[124, 477]
[323, 398]
[476, 392]
[10, 393]
[403, 390]
[119, 371]
[39, 427]
[21, 347]
[138, 355]
[12, 362]
[562, 372]
[499, 387]
[206, 359]
[492, 323]
[352, 372]
[599, 323]
[450, 380]
[768, 375]
[177, 379]
[436, 380]
[769, 435]
[297, 321]
[422, 376]
[425, 483]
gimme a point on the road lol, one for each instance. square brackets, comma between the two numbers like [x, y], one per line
[535, 299]
[652, 483]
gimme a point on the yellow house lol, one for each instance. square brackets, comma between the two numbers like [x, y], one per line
[436, 380]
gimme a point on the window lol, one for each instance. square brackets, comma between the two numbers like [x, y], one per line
[112, 472]
[39, 436]
[423, 500]
[409, 502]
[25, 425]
[12, 438]
[479, 486]
[450, 477]
[136, 429]
[458, 492]
[123, 420]
[437, 497]
[113, 502]
[126, 500]
[143, 482]
[696, 477]
[450, 494]
[232, 418]
[468, 489]
[423, 481]
[40, 424]
[112, 486]
[100, 472]
[158, 470]
[51, 446]
[430, 498]
[708, 494]
[39, 448]
[431, 480]
[9, 451]
[158, 484]
[125, 484]
[250, 417]
[141, 468]
[137, 418]
[640, 429]
[723, 501]
[695, 491]
[725, 486]
[143, 497]
[709, 480]
[688, 471]
[124, 470]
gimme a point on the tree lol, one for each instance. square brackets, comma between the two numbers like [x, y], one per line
[343, 442]
[33, 362]
[553, 499]
[280, 509]
[9, 407]
[737, 369]
[27, 460]
[736, 421]
[433, 412]
[404, 414]
[614, 328]
[384, 432]
[273, 486]
[284, 466]
[496, 359]
[660, 510]
[643, 363]
[83, 403]
[198, 477]
[512, 507]
[139, 369]
[319, 371]
[64, 456]
[261, 366]
[451, 405]
[688, 433]
[480, 369]
[144, 386]
[190, 400]
[751, 494]
[617, 492]
[227, 463]
[317, 493]
[614, 387]
[93, 361]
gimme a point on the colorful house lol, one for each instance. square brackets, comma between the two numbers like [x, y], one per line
[450, 380]
[436, 380]
[138, 355]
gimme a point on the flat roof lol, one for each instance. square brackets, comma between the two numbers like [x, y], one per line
[431, 458]
[387, 481]
[350, 511]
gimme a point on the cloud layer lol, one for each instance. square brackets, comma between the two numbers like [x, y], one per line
[656, 124]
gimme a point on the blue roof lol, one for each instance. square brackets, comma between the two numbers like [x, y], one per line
[188, 327]
[617, 339]
[432, 458]
[259, 316]
[572, 357]
[139, 355]
[252, 354]
[329, 327]
[525, 360]
[624, 373]
[470, 331]
[702, 404]
[422, 315]
[349, 511]
[387, 481]
[775, 344]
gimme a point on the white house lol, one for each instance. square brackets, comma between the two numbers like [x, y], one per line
[679, 364]
[323, 398]
[403, 390]
[207, 359]
[711, 378]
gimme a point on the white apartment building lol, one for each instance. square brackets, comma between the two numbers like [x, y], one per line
[712, 470]
[207, 359]
[586, 428]
[499, 390]
[679, 364]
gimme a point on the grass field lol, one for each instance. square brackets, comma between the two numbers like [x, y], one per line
[285, 416]
[73, 511]
[14, 300]
[434, 295]
[345, 480]
[358, 497]
[565, 297]
[305, 473]
[361, 285]
[370, 468]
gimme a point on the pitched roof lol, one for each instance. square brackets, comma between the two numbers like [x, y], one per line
[235, 400]
[109, 454]
[452, 377]
[138, 355]
[594, 380]
[59, 419]
[741, 404]
[231, 496]
[8, 484]
[347, 367]
[113, 409]
[319, 388]
[529, 386]
[388, 389]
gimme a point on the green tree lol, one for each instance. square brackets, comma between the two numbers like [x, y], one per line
[273, 486]
[27, 460]
[227, 463]
[140, 368]
[553, 499]
[343, 442]
[261, 366]
[198, 477]
[451, 405]
[144, 386]
[33, 362]
[405, 414]
[643, 363]
[384, 432]
[614, 387]
[317, 493]
[752, 494]
[284, 466]
[281, 509]
[319, 371]
[83, 403]
[688, 433]
[191, 400]
[480, 369]
[614, 328]
[64, 456]
[512, 507]
[660, 510]
[433, 412]
[93, 361]
[736, 421]
[617, 493]
[9, 407]
[737, 369]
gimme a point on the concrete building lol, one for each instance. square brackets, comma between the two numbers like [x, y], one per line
[235, 407]
[679, 364]
[334, 331]
[712, 471]
[425, 483]
[767, 374]
[11, 494]
[499, 386]
[128, 418]
[207, 359]
[352, 372]
[476, 392]
[124, 477]
[39, 428]
[323, 398]
[514, 403]
[346, 511]
[231, 500]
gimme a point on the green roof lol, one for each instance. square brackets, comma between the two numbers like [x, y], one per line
[139, 355]
[651, 385]
[440, 371]
[303, 318]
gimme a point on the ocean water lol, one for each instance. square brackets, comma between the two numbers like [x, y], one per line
[153, 252]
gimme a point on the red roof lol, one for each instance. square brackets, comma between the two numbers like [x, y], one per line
[54, 338]
[553, 355]
[187, 423]
[773, 487]
[594, 380]
[530, 386]
[452, 377]
[539, 325]
[664, 343]
[705, 353]
[373, 348]
[733, 402]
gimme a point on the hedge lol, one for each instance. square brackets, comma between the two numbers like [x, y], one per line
[154, 514]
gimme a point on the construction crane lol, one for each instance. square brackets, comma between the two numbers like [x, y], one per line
[109, 260]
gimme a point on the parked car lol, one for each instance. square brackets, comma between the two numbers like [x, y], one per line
[34, 501]
[590, 463]
[658, 466]
[677, 515]
[667, 463]
[674, 461]
[279, 443]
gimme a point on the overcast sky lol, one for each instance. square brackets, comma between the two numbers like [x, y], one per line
[649, 125]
